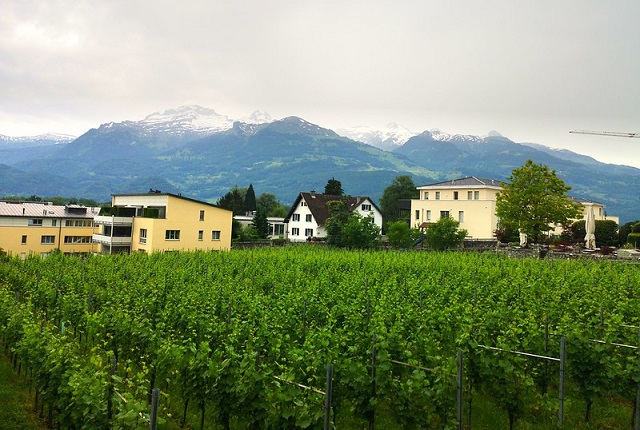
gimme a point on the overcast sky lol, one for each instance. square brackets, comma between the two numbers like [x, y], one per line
[531, 70]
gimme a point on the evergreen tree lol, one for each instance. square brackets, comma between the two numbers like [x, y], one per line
[250, 200]
[232, 201]
[261, 224]
[333, 188]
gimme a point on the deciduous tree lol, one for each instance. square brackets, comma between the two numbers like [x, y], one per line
[444, 234]
[534, 199]
[402, 187]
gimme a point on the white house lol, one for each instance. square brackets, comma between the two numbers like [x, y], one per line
[309, 212]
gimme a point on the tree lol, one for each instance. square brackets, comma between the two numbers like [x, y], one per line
[444, 234]
[533, 200]
[249, 204]
[400, 235]
[333, 188]
[360, 232]
[271, 206]
[338, 217]
[261, 224]
[625, 229]
[402, 187]
[233, 201]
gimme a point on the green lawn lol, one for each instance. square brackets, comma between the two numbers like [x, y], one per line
[16, 403]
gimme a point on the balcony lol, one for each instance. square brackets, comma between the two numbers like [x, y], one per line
[113, 220]
[111, 241]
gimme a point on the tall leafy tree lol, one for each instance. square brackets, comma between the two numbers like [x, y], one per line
[270, 205]
[534, 199]
[333, 188]
[249, 204]
[338, 217]
[402, 187]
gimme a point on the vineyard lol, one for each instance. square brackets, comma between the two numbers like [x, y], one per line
[244, 339]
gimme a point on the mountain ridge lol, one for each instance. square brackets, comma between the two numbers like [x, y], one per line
[178, 149]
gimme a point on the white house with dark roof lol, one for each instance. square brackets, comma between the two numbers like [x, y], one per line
[309, 212]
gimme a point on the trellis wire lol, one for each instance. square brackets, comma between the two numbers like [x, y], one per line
[561, 360]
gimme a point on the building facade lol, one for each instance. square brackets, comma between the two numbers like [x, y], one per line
[472, 202]
[39, 228]
[160, 222]
[309, 212]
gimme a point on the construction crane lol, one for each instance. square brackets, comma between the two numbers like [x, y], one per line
[606, 133]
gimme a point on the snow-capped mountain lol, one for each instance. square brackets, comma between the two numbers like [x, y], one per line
[258, 117]
[186, 119]
[39, 140]
[388, 138]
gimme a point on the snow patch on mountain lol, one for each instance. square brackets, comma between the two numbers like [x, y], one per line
[41, 139]
[388, 138]
[257, 117]
[194, 119]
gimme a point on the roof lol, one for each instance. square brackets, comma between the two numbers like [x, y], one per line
[45, 210]
[152, 192]
[585, 201]
[317, 204]
[469, 181]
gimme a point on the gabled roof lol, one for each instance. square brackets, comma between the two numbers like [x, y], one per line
[585, 201]
[46, 210]
[160, 193]
[469, 181]
[317, 204]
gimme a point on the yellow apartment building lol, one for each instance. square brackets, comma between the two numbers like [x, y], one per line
[472, 202]
[40, 228]
[158, 222]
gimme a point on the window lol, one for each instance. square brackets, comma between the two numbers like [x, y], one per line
[307, 218]
[444, 214]
[428, 215]
[455, 195]
[48, 240]
[460, 217]
[437, 195]
[143, 235]
[417, 214]
[172, 235]
[200, 233]
[77, 239]
[24, 239]
[366, 208]
[201, 215]
[296, 217]
[469, 195]
[215, 235]
[278, 229]
[295, 231]
[36, 222]
[476, 195]
[54, 222]
[308, 232]
[78, 223]
[303, 203]
[426, 195]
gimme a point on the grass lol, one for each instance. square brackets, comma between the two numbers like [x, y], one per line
[16, 402]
